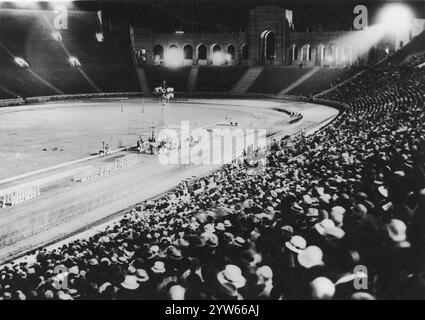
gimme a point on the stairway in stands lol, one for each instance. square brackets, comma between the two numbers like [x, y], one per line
[193, 76]
[247, 80]
[143, 81]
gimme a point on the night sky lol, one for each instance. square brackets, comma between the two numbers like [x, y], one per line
[232, 15]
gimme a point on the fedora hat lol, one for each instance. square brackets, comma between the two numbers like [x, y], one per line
[397, 232]
[239, 241]
[334, 232]
[158, 267]
[312, 212]
[310, 257]
[142, 275]
[212, 241]
[296, 244]
[130, 282]
[220, 226]
[231, 274]
[64, 296]
[296, 208]
[175, 254]
[227, 223]
[323, 225]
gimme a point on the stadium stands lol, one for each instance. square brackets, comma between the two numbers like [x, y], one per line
[106, 66]
[274, 80]
[218, 79]
[177, 78]
[319, 81]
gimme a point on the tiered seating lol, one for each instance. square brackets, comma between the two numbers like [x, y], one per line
[28, 35]
[319, 82]
[176, 78]
[274, 80]
[218, 79]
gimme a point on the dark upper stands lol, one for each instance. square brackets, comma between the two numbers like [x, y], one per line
[319, 81]
[218, 79]
[176, 78]
[27, 34]
[274, 80]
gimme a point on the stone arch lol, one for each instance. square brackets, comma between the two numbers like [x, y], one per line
[202, 52]
[158, 54]
[333, 53]
[216, 58]
[188, 52]
[231, 51]
[215, 48]
[267, 46]
[243, 52]
[306, 52]
[293, 53]
[321, 53]
[174, 55]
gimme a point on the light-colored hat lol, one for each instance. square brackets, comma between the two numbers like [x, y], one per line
[220, 226]
[397, 231]
[233, 275]
[296, 244]
[334, 232]
[158, 267]
[131, 270]
[383, 191]
[239, 241]
[323, 225]
[322, 289]
[209, 228]
[325, 198]
[338, 210]
[130, 283]
[310, 257]
[337, 215]
[312, 212]
[64, 296]
[265, 272]
[227, 223]
[74, 270]
[142, 275]
[177, 292]
[103, 287]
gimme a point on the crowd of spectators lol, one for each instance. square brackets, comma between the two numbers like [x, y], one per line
[417, 60]
[339, 214]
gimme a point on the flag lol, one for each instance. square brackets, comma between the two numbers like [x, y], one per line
[289, 14]
[99, 16]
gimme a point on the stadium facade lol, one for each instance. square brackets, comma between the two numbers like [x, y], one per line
[269, 40]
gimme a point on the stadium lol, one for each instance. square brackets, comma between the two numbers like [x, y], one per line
[212, 150]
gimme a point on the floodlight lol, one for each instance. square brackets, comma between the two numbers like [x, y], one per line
[74, 62]
[21, 62]
[396, 17]
[99, 37]
[56, 35]
[218, 58]
[174, 57]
